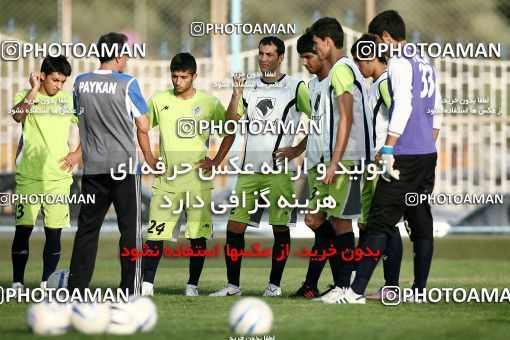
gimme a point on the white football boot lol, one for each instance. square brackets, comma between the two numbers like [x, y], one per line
[20, 288]
[349, 296]
[191, 290]
[331, 295]
[415, 299]
[272, 290]
[227, 290]
[147, 289]
[44, 285]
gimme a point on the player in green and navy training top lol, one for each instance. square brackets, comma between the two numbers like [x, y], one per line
[348, 138]
[315, 155]
[173, 111]
[43, 162]
[373, 65]
[271, 98]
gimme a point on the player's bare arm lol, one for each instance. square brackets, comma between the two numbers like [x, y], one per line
[142, 133]
[345, 101]
[71, 159]
[438, 112]
[237, 95]
[292, 151]
[391, 139]
[303, 104]
[436, 134]
[21, 110]
[207, 164]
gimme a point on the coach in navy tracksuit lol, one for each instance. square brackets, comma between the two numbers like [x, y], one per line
[110, 104]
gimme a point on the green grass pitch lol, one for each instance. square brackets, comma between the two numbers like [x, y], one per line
[458, 262]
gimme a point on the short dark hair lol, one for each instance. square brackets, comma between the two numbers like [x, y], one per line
[56, 64]
[372, 49]
[389, 21]
[305, 43]
[329, 27]
[183, 62]
[110, 39]
[272, 40]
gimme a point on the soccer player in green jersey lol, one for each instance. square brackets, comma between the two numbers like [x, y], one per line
[348, 142]
[43, 163]
[171, 110]
[315, 154]
[268, 98]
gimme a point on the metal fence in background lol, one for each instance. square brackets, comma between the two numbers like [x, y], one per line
[165, 24]
[474, 150]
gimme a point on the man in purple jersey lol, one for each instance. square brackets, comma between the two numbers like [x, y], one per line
[409, 154]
